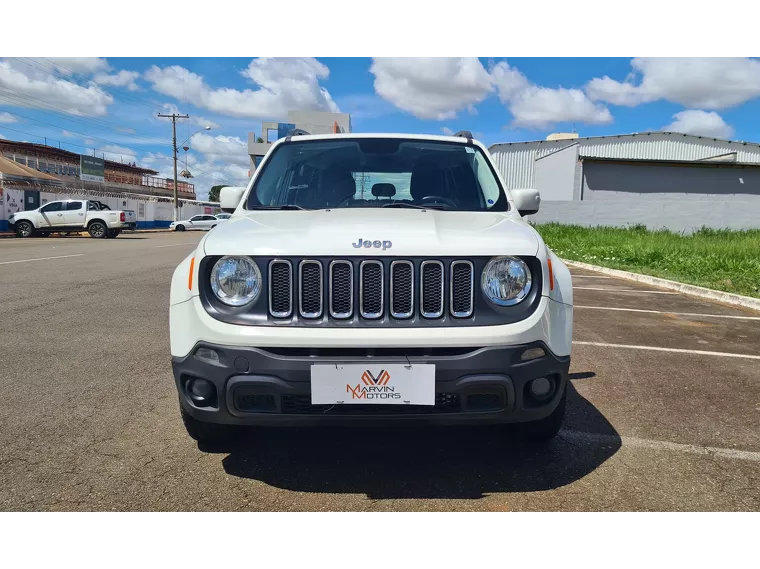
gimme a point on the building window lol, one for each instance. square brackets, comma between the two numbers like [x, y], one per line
[42, 166]
[31, 162]
[21, 160]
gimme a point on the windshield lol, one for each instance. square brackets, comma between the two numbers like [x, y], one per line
[377, 172]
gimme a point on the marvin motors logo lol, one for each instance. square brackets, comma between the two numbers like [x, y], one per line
[375, 387]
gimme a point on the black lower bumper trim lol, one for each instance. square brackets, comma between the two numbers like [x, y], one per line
[272, 387]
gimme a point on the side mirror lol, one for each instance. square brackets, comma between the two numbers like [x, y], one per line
[526, 200]
[229, 198]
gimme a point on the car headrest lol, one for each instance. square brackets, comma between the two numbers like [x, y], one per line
[383, 190]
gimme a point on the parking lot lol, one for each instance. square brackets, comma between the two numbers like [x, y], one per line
[664, 407]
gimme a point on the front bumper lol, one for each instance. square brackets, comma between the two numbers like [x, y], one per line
[256, 386]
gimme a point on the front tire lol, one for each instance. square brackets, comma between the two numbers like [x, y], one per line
[179, 228]
[113, 233]
[24, 229]
[207, 432]
[543, 430]
[97, 230]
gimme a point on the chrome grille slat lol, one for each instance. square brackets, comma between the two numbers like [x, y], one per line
[461, 289]
[371, 289]
[431, 289]
[341, 302]
[402, 289]
[310, 289]
[280, 288]
[417, 289]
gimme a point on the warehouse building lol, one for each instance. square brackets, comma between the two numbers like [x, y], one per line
[658, 179]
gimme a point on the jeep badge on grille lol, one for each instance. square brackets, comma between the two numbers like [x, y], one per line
[370, 244]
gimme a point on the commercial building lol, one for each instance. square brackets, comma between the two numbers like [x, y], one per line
[658, 179]
[33, 174]
[313, 122]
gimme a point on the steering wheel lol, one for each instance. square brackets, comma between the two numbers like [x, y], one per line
[439, 199]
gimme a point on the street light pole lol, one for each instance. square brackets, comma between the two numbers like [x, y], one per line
[174, 117]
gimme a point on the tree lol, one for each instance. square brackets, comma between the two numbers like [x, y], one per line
[260, 140]
[213, 195]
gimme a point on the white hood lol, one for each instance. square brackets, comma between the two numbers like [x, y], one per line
[333, 233]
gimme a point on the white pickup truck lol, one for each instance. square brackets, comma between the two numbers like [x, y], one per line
[72, 215]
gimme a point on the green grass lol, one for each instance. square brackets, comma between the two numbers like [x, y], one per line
[717, 259]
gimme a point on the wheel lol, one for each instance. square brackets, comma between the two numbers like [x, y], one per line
[24, 229]
[113, 233]
[544, 429]
[207, 432]
[97, 229]
[179, 228]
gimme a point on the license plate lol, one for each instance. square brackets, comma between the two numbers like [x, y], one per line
[381, 384]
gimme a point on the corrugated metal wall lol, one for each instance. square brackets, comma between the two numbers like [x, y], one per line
[516, 160]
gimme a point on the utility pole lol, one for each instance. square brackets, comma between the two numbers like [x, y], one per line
[174, 117]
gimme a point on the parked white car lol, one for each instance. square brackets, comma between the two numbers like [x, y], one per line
[67, 216]
[373, 277]
[197, 222]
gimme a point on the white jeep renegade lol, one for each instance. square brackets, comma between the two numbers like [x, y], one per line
[372, 277]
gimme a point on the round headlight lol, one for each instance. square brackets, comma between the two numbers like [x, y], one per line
[236, 280]
[506, 280]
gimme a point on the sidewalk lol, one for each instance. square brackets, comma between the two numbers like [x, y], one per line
[7, 234]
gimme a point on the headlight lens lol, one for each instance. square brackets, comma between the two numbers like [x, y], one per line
[236, 280]
[506, 280]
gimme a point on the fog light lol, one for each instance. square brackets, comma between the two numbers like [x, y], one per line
[200, 390]
[541, 388]
[207, 355]
[532, 354]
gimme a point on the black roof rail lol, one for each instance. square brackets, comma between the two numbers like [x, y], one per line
[464, 134]
[295, 132]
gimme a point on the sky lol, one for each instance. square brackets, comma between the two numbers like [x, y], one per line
[110, 105]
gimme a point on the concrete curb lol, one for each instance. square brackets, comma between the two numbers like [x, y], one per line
[692, 290]
[8, 235]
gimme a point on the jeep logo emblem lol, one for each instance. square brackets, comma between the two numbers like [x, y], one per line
[370, 244]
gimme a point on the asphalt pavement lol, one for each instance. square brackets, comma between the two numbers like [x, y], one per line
[664, 407]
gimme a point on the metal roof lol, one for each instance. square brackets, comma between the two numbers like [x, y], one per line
[516, 160]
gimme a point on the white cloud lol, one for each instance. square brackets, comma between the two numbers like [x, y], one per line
[438, 87]
[431, 87]
[447, 131]
[540, 107]
[82, 65]
[702, 123]
[2, 137]
[117, 153]
[533, 106]
[284, 84]
[206, 173]
[708, 83]
[7, 118]
[122, 78]
[29, 81]
[68, 134]
[227, 149]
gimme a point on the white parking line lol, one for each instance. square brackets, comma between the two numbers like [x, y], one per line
[624, 290]
[40, 259]
[661, 445]
[673, 350]
[173, 245]
[673, 313]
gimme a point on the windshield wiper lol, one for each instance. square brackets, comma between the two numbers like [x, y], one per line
[287, 206]
[414, 206]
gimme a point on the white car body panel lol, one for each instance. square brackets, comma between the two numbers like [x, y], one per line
[411, 232]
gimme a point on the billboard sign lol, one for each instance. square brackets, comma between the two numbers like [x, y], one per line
[283, 128]
[92, 169]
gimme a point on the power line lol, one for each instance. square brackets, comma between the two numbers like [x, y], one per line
[136, 100]
[23, 100]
